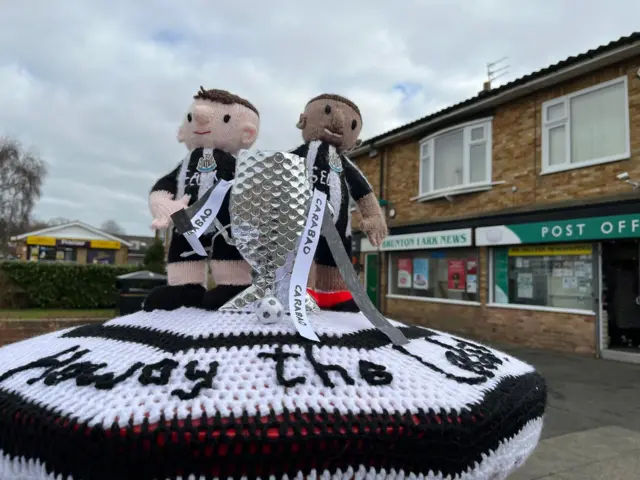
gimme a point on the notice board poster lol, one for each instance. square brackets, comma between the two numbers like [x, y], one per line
[404, 272]
[421, 273]
[457, 275]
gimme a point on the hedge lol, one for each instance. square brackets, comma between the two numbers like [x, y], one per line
[59, 285]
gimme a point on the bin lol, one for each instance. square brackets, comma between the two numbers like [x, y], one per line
[134, 287]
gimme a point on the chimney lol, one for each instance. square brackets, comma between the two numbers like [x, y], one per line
[486, 86]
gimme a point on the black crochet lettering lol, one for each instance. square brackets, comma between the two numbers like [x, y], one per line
[323, 370]
[50, 363]
[192, 373]
[375, 374]
[157, 373]
[108, 380]
[75, 370]
[279, 357]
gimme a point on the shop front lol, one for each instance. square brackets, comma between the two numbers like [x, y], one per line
[440, 266]
[52, 249]
[576, 270]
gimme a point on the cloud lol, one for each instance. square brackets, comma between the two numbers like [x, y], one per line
[100, 87]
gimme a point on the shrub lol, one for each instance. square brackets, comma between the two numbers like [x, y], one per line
[60, 285]
[154, 257]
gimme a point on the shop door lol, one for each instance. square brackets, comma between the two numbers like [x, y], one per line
[371, 276]
[621, 295]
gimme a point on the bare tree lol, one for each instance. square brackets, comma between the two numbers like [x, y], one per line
[112, 227]
[22, 174]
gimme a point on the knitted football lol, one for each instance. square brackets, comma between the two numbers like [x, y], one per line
[192, 394]
[269, 310]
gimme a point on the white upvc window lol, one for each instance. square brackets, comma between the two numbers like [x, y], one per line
[456, 160]
[586, 128]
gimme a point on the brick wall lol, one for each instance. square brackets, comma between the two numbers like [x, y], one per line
[517, 137]
[12, 330]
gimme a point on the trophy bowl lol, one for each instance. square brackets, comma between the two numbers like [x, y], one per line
[269, 202]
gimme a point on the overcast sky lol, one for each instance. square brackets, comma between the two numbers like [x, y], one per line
[100, 87]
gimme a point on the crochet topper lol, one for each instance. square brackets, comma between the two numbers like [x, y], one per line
[217, 125]
[330, 127]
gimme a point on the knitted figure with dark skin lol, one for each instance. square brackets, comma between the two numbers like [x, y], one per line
[330, 127]
[216, 127]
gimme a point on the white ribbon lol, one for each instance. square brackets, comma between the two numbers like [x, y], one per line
[205, 216]
[302, 266]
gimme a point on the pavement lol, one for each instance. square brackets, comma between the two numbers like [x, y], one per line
[592, 425]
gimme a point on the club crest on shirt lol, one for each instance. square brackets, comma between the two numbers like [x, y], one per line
[206, 163]
[335, 163]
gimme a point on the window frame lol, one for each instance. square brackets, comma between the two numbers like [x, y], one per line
[465, 186]
[565, 100]
[399, 296]
[491, 300]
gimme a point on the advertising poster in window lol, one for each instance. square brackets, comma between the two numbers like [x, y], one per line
[104, 257]
[525, 285]
[404, 272]
[421, 273]
[457, 274]
[472, 275]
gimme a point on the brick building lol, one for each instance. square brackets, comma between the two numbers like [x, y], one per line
[513, 215]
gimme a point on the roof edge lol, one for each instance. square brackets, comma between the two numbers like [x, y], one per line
[71, 224]
[503, 95]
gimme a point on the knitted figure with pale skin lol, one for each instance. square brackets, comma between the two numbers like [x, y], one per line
[330, 127]
[217, 125]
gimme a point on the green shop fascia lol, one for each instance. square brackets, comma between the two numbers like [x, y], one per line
[563, 231]
[577, 230]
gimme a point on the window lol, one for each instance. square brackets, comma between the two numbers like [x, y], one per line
[446, 274]
[106, 257]
[559, 276]
[456, 160]
[54, 254]
[586, 127]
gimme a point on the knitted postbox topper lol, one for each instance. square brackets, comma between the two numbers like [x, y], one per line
[192, 394]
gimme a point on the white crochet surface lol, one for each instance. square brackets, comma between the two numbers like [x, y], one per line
[423, 377]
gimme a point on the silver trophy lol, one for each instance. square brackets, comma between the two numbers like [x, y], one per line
[269, 203]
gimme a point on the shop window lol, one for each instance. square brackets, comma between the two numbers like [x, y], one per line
[53, 254]
[559, 276]
[446, 274]
[103, 257]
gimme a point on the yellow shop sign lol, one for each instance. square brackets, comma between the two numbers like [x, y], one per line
[44, 241]
[105, 244]
[550, 250]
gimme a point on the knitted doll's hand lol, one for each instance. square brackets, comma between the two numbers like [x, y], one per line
[376, 229]
[163, 206]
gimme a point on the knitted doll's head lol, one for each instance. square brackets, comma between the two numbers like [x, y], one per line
[219, 119]
[333, 119]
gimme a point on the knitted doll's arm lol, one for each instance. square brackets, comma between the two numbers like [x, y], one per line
[161, 199]
[373, 222]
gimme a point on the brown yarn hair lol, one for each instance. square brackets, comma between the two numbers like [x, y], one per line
[226, 98]
[337, 98]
